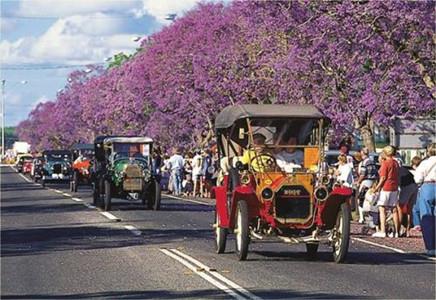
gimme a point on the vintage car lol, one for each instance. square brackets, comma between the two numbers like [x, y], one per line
[36, 171]
[123, 169]
[20, 160]
[273, 186]
[27, 165]
[56, 166]
[82, 156]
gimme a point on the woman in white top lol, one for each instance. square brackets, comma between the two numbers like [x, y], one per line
[344, 173]
[425, 175]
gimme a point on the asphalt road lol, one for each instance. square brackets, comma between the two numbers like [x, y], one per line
[56, 245]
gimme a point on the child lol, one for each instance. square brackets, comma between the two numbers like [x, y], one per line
[370, 206]
[188, 185]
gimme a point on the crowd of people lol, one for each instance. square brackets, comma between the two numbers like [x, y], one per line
[192, 173]
[389, 193]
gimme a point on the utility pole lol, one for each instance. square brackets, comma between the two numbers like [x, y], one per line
[3, 118]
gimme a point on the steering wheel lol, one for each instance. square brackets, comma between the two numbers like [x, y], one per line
[265, 161]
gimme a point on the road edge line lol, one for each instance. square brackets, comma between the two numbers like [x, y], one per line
[109, 216]
[189, 200]
[133, 230]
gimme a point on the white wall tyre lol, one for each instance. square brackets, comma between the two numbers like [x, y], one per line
[341, 233]
[242, 237]
[220, 236]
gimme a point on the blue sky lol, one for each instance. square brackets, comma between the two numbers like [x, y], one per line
[41, 41]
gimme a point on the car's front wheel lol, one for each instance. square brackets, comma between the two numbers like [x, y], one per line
[241, 230]
[154, 196]
[107, 195]
[220, 235]
[341, 233]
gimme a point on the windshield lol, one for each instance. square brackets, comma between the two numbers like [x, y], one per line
[131, 150]
[284, 132]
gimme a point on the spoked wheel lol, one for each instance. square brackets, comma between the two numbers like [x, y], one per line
[312, 251]
[341, 233]
[220, 236]
[107, 195]
[241, 230]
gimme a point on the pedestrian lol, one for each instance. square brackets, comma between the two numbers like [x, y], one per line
[208, 170]
[176, 163]
[425, 175]
[157, 164]
[388, 191]
[416, 160]
[344, 173]
[344, 150]
[197, 173]
[367, 172]
[407, 198]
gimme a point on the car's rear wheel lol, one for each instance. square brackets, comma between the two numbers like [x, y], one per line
[312, 250]
[107, 195]
[220, 235]
[241, 230]
[341, 233]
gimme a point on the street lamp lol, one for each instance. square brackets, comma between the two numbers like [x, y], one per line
[3, 113]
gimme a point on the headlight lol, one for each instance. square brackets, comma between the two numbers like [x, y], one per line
[267, 193]
[321, 193]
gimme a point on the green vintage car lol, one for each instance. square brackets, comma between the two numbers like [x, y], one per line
[123, 169]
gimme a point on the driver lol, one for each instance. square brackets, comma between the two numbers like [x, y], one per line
[290, 157]
[255, 157]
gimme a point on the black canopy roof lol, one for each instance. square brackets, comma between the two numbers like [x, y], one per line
[230, 114]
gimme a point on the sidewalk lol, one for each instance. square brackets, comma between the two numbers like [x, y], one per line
[412, 244]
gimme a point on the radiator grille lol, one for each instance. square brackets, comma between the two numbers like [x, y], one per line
[292, 202]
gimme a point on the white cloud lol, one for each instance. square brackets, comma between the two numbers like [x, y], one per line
[161, 8]
[72, 40]
[41, 99]
[63, 8]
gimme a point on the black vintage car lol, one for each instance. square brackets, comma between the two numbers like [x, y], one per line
[123, 169]
[56, 166]
[36, 172]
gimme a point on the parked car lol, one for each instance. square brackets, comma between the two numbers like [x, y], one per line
[36, 171]
[123, 169]
[56, 166]
[20, 160]
[82, 156]
[266, 199]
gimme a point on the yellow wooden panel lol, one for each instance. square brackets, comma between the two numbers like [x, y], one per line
[311, 156]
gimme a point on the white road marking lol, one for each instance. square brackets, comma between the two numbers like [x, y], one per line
[133, 229]
[25, 178]
[202, 274]
[379, 245]
[189, 200]
[77, 199]
[110, 216]
[58, 191]
[66, 194]
[217, 275]
[89, 205]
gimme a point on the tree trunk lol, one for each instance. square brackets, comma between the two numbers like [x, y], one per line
[368, 137]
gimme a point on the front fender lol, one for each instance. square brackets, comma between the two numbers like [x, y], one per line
[328, 210]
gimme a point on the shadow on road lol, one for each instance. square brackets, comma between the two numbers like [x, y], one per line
[196, 294]
[353, 258]
[41, 208]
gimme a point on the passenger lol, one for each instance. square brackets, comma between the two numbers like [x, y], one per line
[290, 157]
[344, 173]
[254, 156]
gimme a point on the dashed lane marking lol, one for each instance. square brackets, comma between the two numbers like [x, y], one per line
[133, 229]
[189, 200]
[76, 199]
[66, 194]
[89, 205]
[110, 216]
[25, 178]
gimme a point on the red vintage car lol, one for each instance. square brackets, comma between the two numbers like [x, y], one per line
[82, 155]
[274, 184]
[27, 165]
